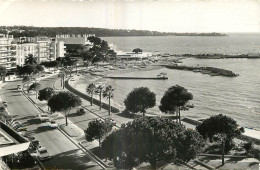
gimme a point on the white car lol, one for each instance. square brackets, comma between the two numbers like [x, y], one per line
[110, 121]
[44, 117]
[19, 87]
[43, 153]
[53, 124]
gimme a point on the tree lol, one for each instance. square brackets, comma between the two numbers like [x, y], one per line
[3, 72]
[64, 102]
[137, 50]
[149, 139]
[90, 89]
[39, 68]
[108, 93]
[99, 90]
[46, 93]
[87, 56]
[139, 100]
[220, 128]
[35, 87]
[50, 64]
[174, 100]
[29, 69]
[30, 60]
[94, 40]
[96, 130]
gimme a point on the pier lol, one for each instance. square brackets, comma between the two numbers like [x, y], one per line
[141, 78]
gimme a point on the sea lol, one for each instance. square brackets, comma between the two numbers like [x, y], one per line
[237, 97]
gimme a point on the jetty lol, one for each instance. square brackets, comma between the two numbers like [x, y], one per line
[141, 78]
[204, 70]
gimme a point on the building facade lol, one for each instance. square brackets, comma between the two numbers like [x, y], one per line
[42, 48]
[74, 39]
[8, 53]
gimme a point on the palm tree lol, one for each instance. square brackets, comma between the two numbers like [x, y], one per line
[90, 89]
[99, 90]
[108, 93]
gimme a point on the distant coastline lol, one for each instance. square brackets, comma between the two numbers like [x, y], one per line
[31, 31]
[200, 34]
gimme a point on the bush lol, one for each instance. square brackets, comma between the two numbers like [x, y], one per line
[248, 146]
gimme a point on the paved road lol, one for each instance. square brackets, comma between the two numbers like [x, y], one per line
[65, 155]
[79, 120]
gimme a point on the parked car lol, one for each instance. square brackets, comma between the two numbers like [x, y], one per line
[5, 103]
[81, 111]
[43, 153]
[53, 124]
[19, 87]
[110, 121]
[35, 143]
[44, 117]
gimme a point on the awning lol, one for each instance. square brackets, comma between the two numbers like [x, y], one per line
[8, 150]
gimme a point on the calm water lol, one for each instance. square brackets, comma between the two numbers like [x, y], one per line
[232, 44]
[238, 97]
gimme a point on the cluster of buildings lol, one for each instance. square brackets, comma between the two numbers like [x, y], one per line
[13, 51]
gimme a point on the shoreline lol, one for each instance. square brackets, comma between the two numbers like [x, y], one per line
[250, 133]
[216, 56]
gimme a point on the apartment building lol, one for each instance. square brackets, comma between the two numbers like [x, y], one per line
[57, 49]
[8, 53]
[23, 50]
[42, 48]
[74, 39]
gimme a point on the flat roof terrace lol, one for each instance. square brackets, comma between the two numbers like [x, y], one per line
[10, 141]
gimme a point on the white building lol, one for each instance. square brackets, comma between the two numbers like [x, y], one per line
[23, 50]
[74, 39]
[42, 48]
[8, 52]
[57, 49]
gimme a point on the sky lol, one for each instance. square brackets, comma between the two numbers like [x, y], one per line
[154, 15]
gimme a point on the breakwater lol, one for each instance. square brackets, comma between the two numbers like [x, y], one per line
[204, 70]
[218, 56]
[145, 78]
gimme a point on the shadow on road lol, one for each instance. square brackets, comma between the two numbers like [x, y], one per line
[85, 120]
[26, 117]
[12, 89]
[16, 95]
[70, 160]
[34, 121]
[73, 114]
[43, 129]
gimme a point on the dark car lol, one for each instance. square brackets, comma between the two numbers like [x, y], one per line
[5, 103]
[81, 111]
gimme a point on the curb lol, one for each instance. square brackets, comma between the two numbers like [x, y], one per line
[203, 164]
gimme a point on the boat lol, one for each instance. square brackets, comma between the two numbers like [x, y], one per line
[214, 74]
[205, 72]
[196, 71]
[163, 73]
